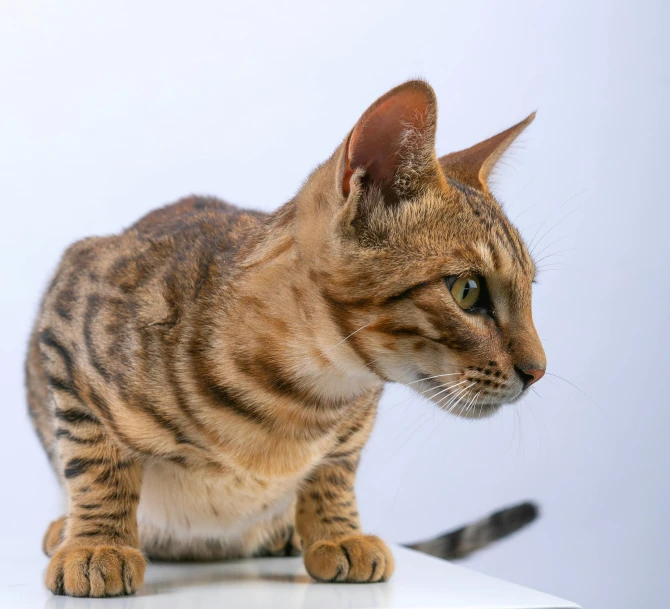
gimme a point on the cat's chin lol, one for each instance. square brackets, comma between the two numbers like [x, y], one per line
[481, 411]
[465, 407]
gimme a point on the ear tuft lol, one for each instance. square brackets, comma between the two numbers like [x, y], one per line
[474, 165]
[394, 141]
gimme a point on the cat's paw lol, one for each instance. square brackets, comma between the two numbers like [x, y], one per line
[95, 571]
[53, 536]
[357, 558]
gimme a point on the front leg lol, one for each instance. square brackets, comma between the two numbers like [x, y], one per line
[328, 524]
[99, 553]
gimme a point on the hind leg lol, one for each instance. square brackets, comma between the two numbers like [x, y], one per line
[54, 535]
[285, 543]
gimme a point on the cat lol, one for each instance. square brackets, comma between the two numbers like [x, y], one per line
[204, 382]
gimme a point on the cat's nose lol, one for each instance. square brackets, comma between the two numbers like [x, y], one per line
[529, 375]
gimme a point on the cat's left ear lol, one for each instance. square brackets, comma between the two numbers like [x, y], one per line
[474, 165]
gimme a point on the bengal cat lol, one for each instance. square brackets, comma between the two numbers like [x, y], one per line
[204, 381]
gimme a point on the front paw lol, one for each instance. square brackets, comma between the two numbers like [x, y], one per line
[357, 558]
[95, 571]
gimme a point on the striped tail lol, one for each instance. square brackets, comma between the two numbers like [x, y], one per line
[479, 534]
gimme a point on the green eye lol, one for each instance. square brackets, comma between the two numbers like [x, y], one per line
[466, 291]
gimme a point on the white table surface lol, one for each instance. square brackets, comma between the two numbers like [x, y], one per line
[419, 582]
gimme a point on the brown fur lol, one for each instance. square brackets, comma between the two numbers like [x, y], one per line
[204, 382]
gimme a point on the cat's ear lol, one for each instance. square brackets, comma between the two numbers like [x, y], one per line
[392, 145]
[474, 165]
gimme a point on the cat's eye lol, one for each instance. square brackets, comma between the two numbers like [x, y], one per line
[466, 291]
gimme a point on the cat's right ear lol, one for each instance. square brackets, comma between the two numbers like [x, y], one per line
[392, 146]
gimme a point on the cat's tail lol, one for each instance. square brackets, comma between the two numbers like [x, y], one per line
[472, 537]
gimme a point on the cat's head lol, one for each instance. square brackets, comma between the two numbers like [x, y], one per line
[419, 266]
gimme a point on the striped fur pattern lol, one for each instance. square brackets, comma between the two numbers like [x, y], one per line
[204, 382]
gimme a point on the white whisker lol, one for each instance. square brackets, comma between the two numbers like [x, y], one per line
[432, 377]
[447, 388]
[417, 394]
[447, 406]
[453, 407]
[471, 404]
[345, 339]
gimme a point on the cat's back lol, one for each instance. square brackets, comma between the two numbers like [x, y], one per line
[173, 245]
[195, 219]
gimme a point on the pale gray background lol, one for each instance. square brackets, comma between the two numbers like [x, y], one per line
[110, 109]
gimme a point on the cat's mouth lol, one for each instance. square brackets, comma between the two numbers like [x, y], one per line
[459, 397]
[463, 397]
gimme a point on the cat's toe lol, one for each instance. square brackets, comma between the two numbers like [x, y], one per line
[357, 558]
[95, 571]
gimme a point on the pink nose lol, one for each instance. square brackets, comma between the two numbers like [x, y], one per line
[529, 375]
